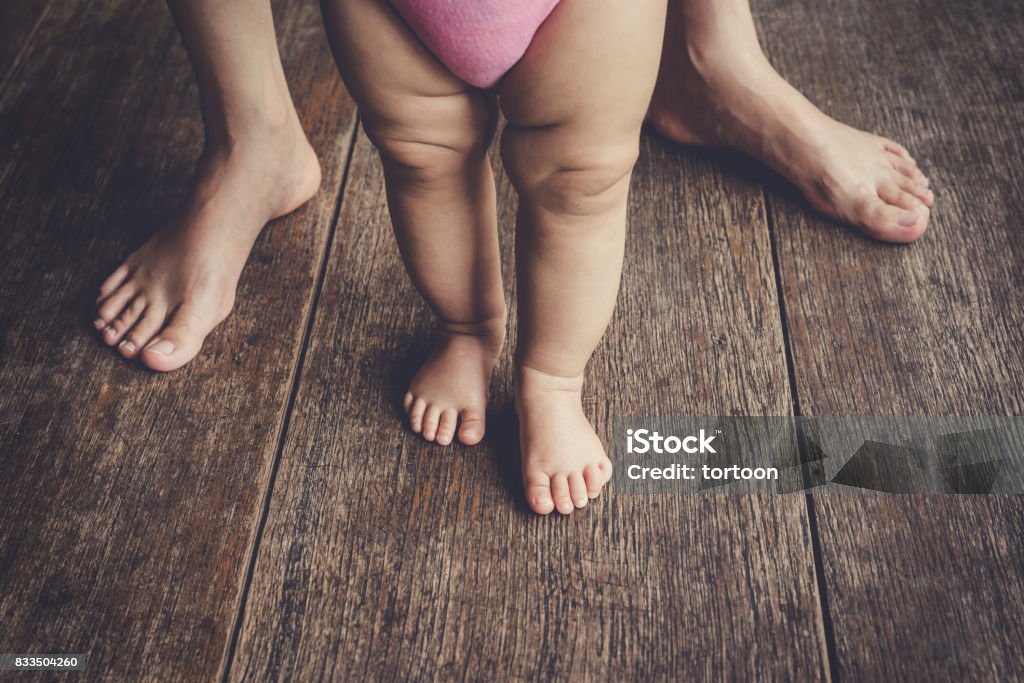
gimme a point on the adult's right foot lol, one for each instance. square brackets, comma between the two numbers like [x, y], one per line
[163, 301]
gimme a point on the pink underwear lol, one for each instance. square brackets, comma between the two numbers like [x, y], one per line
[478, 40]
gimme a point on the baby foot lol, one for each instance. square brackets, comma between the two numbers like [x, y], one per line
[564, 462]
[450, 390]
[736, 99]
[167, 296]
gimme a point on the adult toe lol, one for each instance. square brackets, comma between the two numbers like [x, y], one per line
[907, 167]
[115, 280]
[114, 303]
[917, 188]
[177, 343]
[888, 222]
[896, 148]
[124, 320]
[153, 318]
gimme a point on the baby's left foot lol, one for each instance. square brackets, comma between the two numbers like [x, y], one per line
[564, 463]
[451, 388]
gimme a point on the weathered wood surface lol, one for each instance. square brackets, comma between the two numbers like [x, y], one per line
[19, 20]
[389, 559]
[919, 587]
[129, 501]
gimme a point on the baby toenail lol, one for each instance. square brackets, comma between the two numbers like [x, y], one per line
[162, 347]
[908, 219]
[99, 323]
[128, 345]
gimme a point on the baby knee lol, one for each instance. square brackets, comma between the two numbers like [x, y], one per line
[425, 152]
[415, 157]
[582, 181]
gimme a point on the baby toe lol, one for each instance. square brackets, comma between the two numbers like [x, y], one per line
[538, 493]
[594, 479]
[430, 419]
[471, 432]
[446, 426]
[419, 407]
[578, 490]
[560, 494]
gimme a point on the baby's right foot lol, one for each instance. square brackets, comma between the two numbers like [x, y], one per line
[564, 462]
[450, 390]
[167, 296]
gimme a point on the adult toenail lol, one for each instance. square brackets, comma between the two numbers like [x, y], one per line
[163, 347]
[543, 501]
[908, 219]
[110, 331]
[128, 345]
[99, 323]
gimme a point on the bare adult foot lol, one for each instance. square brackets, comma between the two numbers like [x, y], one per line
[450, 391]
[564, 462]
[168, 295]
[723, 92]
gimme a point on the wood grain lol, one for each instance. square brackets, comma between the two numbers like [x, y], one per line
[919, 587]
[385, 558]
[19, 20]
[129, 501]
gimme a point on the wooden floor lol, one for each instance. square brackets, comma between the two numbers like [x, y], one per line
[262, 515]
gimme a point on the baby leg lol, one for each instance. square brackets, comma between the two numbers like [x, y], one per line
[575, 104]
[432, 131]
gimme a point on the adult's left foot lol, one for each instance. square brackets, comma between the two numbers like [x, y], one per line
[730, 96]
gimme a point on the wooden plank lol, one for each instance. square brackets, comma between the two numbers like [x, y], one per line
[129, 500]
[388, 559]
[919, 587]
[18, 22]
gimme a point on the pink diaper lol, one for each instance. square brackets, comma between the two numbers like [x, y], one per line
[478, 40]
